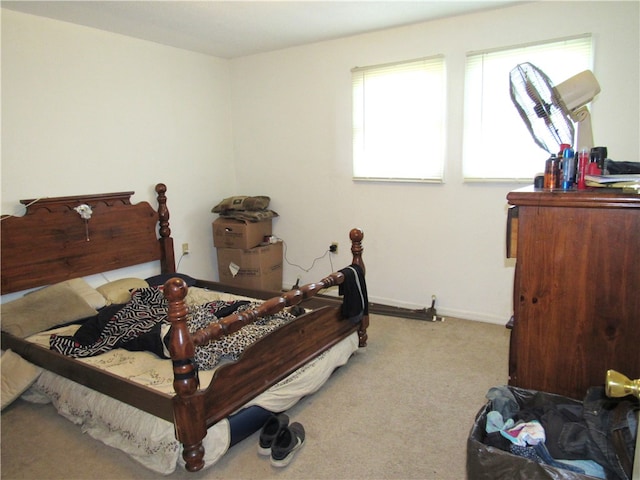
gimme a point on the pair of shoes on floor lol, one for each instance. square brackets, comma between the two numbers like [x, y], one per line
[280, 440]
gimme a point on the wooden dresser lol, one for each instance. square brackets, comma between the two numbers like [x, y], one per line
[577, 288]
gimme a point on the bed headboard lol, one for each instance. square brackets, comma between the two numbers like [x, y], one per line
[52, 242]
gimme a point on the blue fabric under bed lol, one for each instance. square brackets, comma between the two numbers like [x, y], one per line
[246, 422]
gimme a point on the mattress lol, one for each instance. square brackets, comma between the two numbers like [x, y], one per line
[148, 439]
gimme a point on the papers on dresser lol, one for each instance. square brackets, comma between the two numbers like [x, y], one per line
[613, 181]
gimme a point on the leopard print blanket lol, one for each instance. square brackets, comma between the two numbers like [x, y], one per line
[230, 347]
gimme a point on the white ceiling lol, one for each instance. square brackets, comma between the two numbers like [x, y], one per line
[230, 29]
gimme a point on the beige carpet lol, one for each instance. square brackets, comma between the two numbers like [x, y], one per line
[401, 409]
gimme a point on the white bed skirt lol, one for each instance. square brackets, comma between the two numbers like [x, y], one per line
[149, 439]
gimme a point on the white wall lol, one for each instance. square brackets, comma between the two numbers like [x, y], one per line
[85, 111]
[292, 122]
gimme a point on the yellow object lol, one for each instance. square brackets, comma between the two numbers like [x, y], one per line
[618, 385]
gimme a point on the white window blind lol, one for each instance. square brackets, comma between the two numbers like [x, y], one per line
[497, 144]
[399, 121]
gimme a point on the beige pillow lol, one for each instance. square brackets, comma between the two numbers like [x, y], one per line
[43, 309]
[119, 291]
[86, 291]
[17, 376]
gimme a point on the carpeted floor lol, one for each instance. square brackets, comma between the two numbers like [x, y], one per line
[400, 409]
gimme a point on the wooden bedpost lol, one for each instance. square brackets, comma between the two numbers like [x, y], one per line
[168, 260]
[188, 408]
[356, 235]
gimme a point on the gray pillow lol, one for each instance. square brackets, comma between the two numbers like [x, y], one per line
[17, 376]
[43, 309]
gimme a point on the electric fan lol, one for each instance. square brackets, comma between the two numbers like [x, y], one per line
[558, 107]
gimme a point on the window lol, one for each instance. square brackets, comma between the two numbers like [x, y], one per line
[497, 144]
[398, 121]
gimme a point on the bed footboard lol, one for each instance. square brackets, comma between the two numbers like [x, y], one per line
[262, 365]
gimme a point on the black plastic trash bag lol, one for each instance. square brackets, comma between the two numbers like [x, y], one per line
[485, 461]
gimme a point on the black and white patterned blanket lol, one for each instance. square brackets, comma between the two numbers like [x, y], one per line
[137, 326]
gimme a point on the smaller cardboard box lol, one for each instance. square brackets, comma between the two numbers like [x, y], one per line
[232, 233]
[259, 267]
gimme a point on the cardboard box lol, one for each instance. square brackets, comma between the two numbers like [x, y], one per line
[259, 267]
[232, 233]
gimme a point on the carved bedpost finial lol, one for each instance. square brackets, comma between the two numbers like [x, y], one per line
[356, 235]
[185, 378]
[168, 261]
[163, 211]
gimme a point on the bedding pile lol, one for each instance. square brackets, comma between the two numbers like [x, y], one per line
[142, 325]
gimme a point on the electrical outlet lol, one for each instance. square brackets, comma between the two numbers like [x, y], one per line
[333, 248]
[185, 249]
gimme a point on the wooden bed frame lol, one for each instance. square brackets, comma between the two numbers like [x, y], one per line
[52, 243]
